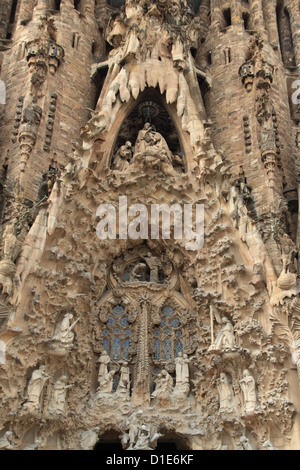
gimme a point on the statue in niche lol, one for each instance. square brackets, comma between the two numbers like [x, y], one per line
[226, 337]
[106, 383]
[105, 377]
[123, 157]
[225, 394]
[104, 361]
[152, 150]
[248, 387]
[288, 253]
[9, 241]
[64, 337]
[58, 399]
[164, 384]
[124, 382]
[182, 386]
[35, 388]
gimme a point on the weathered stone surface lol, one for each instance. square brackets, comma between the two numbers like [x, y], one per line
[127, 109]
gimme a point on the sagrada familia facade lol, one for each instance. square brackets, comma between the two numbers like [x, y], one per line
[149, 342]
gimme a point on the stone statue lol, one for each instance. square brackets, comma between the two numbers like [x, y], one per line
[9, 240]
[134, 425]
[123, 157]
[164, 384]
[35, 388]
[288, 252]
[106, 383]
[145, 439]
[226, 394]
[152, 151]
[124, 382]
[64, 336]
[248, 387]
[154, 264]
[182, 386]
[7, 441]
[225, 338]
[104, 360]
[58, 399]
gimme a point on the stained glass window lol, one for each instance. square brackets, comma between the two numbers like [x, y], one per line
[167, 344]
[117, 333]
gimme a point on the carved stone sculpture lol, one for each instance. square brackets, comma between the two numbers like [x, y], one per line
[225, 338]
[226, 395]
[248, 387]
[57, 403]
[123, 157]
[35, 389]
[64, 336]
[182, 386]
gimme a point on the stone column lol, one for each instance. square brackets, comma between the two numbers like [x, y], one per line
[294, 12]
[236, 11]
[270, 13]
[256, 15]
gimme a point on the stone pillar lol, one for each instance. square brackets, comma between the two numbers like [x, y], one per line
[26, 10]
[236, 11]
[295, 26]
[256, 15]
[216, 14]
[270, 14]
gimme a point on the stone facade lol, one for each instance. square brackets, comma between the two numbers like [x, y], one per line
[149, 341]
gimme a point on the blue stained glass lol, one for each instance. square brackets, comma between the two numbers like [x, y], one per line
[156, 333]
[126, 349]
[118, 310]
[168, 331]
[178, 333]
[175, 322]
[128, 333]
[156, 350]
[178, 348]
[168, 311]
[105, 344]
[163, 323]
[168, 349]
[124, 322]
[116, 349]
[105, 332]
[111, 321]
[117, 331]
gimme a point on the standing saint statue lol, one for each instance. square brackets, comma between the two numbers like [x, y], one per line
[35, 388]
[225, 394]
[248, 387]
